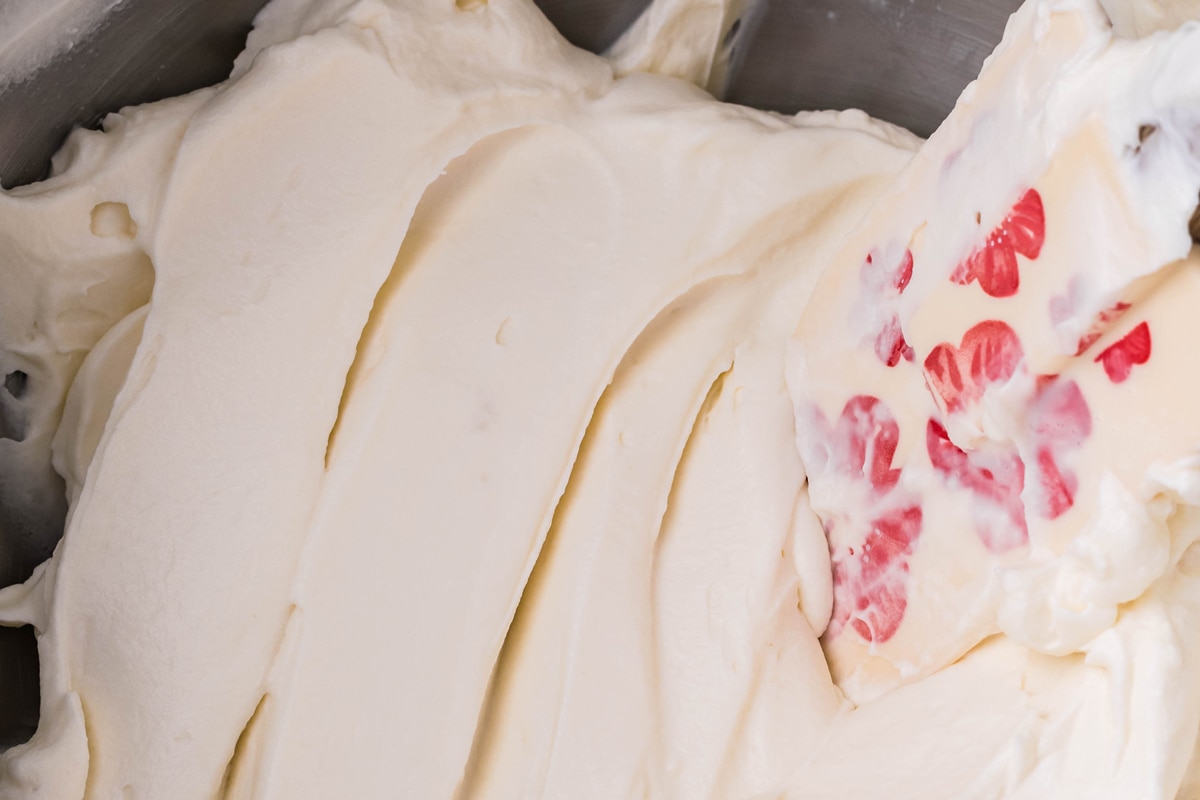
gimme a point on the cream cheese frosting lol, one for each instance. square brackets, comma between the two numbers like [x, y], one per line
[440, 410]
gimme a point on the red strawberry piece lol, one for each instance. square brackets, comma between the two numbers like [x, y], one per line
[880, 524]
[883, 280]
[994, 263]
[864, 442]
[904, 271]
[870, 584]
[1026, 225]
[1058, 489]
[1065, 308]
[1098, 328]
[1120, 357]
[1060, 421]
[995, 478]
[890, 345]
[989, 353]
[1059, 415]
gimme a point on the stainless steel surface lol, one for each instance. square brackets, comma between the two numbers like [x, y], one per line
[592, 24]
[905, 61]
[902, 60]
[145, 50]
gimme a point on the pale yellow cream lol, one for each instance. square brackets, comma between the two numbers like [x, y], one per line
[427, 399]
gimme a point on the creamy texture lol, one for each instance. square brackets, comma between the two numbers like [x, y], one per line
[434, 410]
[1025, 457]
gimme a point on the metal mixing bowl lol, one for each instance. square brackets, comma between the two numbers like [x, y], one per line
[901, 60]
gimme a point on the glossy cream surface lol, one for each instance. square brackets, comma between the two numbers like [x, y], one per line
[446, 412]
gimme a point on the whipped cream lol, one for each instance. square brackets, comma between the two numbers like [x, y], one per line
[437, 406]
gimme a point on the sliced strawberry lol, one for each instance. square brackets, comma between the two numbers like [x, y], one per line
[1121, 356]
[1068, 308]
[1026, 225]
[989, 353]
[904, 272]
[1057, 489]
[881, 287]
[864, 442]
[995, 478]
[1059, 421]
[1059, 415]
[994, 263]
[874, 524]
[890, 345]
[1098, 328]
[870, 584]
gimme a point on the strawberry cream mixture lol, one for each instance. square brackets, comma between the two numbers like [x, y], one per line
[444, 412]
